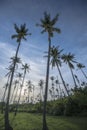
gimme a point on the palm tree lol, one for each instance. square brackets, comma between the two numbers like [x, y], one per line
[29, 89]
[33, 87]
[19, 76]
[50, 92]
[58, 88]
[78, 81]
[48, 26]
[41, 83]
[15, 85]
[26, 69]
[56, 61]
[81, 66]
[52, 79]
[3, 97]
[21, 33]
[69, 59]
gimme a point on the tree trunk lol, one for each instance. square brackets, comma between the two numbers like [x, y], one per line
[84, 74]
[12, 94]
[73, 77]
[46, 87]
[20, 93]
[62, 79]
[7, 125]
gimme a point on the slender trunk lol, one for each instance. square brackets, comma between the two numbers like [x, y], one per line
[57, 90]
[84, 74]
[12, 94]
[62, 79]
[15, 95]
[7, 125]
[40, 95]
[3, 99]
[33, 94]
[28, 95]
[78, 81]
[46, 87]
[20, 94]
[5, 89]
[73, 77]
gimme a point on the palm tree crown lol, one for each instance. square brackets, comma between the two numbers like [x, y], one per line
[48, 24]
[69, 58]
[21, 31]
[55, 56]
[79, 65]
[25, 67]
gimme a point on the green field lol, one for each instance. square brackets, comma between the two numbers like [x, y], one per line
[24, 121]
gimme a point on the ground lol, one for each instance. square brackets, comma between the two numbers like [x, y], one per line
[26, 121]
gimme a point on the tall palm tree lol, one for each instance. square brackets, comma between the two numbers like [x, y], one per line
[26, 69]
[10, 68]
[21, 33]
[29, 85]
[52, 79]
[48, 26]
[4, 95]
[56, 61]
[41, 83]
[50, 92]
[33, 87]
[77, 79]
[15, 85]
[19, 76]
[69, 59]
[58, 88]
[81, 66]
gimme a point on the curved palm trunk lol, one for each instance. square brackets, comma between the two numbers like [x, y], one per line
[7, 125]
[4, 94]
[28, 95]
[78, 81]
[13, 93]
[46, 86]
[73, 77]
[57, 90]
[84, 74]
[20, 94]
[33, 94]
[62, 79]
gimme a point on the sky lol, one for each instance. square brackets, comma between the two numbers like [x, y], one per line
[73, 38]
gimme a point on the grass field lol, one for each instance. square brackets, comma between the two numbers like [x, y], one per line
[24, 121]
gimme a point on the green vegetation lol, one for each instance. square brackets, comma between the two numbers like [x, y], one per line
[24, 121]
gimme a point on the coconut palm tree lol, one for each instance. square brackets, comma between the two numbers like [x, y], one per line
[69, 59]
[29, 85]
[21, 33]
[41, 83]
[52, 79]
[33, 87]
[26, 69]
[77, 79]
[56, 61]
[58, 88]
[19, 76]
[50, 92]
[48, 26]
[15, 85]
[81, 66]
[4, 95]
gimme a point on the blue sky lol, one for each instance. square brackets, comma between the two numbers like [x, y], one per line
[73, 38]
